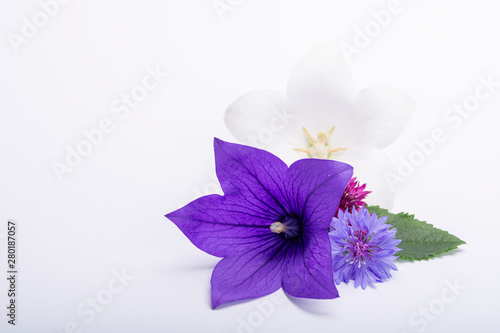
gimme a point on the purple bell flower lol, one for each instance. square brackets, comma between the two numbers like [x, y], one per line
[270, 226]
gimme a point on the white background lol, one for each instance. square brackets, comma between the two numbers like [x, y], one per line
[107, 215]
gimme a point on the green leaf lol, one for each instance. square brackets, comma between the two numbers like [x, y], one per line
[419, 240]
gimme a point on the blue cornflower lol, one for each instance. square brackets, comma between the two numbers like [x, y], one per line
[363, 248]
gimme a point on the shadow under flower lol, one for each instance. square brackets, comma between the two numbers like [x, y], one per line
[230, 304]
[314, 306]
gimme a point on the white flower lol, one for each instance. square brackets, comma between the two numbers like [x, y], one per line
[320, 94]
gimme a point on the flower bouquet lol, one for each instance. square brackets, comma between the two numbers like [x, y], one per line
[317, 221]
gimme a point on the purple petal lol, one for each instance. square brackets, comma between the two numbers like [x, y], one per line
[316, 188]
[252, 273]
[260, 190]
[220, 225]
[309, 271]
[258, 177]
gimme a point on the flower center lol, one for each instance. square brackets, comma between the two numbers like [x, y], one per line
[360, 250]
[319, 148]
[290, 227]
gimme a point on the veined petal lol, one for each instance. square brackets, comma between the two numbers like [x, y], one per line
[388, 113]
[316, 188]
[309, 271]
[259, 178]
[220, 225]
[270, 226]
[252, 273]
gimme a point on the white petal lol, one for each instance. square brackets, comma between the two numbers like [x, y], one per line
[371, 167]
[284, 143]
[321, 92]
[253, 117]
[320, 85]
[388, 112]
[261, 119]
